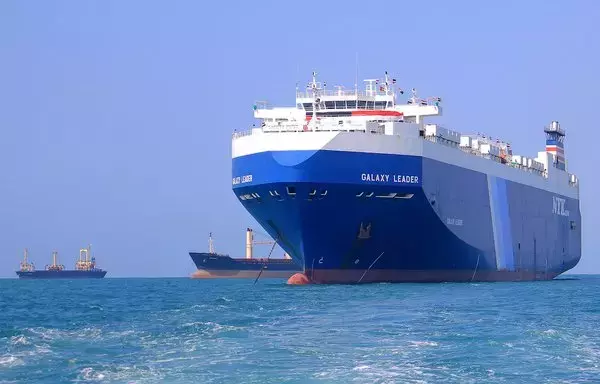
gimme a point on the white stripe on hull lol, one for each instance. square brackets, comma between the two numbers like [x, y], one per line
[494, 216]
[398, 145]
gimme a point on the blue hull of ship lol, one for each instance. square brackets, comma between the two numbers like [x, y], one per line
[69, 274]
[451, 224]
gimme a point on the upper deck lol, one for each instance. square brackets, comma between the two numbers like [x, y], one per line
[377, 101]
[373, 109]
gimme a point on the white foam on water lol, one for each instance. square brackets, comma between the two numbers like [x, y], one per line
[423, 343]
[19, 340]
[550, 332]
[89, 374]
[120, 373]
[8, 361]
[86, 333]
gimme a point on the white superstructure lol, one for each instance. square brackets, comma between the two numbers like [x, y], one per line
[373, 121]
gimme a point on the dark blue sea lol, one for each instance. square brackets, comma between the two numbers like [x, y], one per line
[229, 331]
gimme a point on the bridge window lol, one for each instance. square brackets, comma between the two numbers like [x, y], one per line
[351, 104]
[329, 105]
[361, 104]
[379, 104]
[340, 104]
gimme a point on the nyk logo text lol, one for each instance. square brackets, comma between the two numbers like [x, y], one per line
[558, 206]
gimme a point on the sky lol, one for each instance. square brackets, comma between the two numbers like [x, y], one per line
[116, 116]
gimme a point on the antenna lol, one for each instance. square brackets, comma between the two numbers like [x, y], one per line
[356, 76]
[297, 76]
[314, 86]
[413, 99]
[390, 85]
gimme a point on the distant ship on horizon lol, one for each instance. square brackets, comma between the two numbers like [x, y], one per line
[213, 265]
[85, 268]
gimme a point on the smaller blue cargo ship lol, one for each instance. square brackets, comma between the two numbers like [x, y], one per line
[213, 265]
[85, 268]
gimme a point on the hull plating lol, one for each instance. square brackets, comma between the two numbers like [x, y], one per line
[350, 217]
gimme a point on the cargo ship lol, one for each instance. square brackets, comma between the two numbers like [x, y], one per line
[85, 268]
[360, 186]
[212, 265]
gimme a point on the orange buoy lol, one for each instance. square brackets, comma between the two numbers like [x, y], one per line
[298, 279]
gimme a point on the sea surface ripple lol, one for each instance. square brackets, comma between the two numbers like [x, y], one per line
[229, 331]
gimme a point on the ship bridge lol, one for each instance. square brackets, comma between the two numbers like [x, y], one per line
[340, 109]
